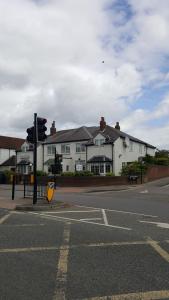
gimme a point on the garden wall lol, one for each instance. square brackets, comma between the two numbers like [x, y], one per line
[156, 172]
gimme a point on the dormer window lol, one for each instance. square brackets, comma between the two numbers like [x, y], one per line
[99, 142]
[25, 148]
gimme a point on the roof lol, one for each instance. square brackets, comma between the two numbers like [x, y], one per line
[24, 162]
[99, 158]
[87, 134]
[49, 162]
[71, 135]
[7, 142]
[10, 161]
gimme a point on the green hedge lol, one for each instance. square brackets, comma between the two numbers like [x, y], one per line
[77, 174]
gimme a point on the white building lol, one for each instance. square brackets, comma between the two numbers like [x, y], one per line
[8, 148]
[99, 149]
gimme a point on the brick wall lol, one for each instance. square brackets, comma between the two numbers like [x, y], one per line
[156, 172]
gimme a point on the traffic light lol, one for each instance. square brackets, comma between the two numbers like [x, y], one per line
[41, 128]
[30, 137]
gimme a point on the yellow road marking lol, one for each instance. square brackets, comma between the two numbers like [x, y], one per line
[111, 244]
[61, 277]
[30, 249]
[67, 247]
[153, 295]
[164, 254]
[23, 225]
[4, 218]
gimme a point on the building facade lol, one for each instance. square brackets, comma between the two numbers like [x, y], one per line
[100, 149]
[8, 148]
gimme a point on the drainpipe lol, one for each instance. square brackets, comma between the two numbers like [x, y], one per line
[112, 158]
[86, 157]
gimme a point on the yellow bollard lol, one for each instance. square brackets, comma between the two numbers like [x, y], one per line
[32, 178]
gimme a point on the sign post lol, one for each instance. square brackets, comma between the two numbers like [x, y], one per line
[50, 191]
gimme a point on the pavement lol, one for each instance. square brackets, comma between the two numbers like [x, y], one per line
[20, 203]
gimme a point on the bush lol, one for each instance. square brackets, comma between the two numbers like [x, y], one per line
[110, 174]
[77, 174]
[149, 159]
[164, 161]
[68, 174]
[41, 173]
[134, 168]
[83, 173]
[8, 174]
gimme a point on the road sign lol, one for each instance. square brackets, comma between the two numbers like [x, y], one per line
[50, 191]
[79, 167]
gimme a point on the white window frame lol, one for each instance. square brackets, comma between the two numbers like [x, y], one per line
[131, 146]
[99, 142]
[65, 148]
[80, 148]
[140, 149]
[51, 150]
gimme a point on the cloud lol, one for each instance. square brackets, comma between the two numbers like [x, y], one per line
[52, 54]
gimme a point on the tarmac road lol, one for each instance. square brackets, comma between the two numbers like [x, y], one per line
[112, 245]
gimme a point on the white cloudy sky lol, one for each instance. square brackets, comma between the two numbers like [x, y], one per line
[51, 54]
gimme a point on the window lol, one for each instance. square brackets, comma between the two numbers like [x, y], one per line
[51, 150]
[140, 148]
[102, 168]
[80, 147]
[107, 168]
[97, 168]
[131, 146]
[67, 168]
[65, 149]
[99, 142]
[25, 148]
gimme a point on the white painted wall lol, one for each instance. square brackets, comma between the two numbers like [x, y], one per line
[67, 159]
[126, 154]
[28, 155]
[5, 154]
[121, 154]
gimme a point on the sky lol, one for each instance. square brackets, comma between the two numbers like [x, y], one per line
[74, 61]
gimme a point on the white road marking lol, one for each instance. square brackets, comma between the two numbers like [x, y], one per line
[120, 211]
[165, 186]
[144, 192]
[88, 219]
[105, 217]
[158, 224]
[80, 221]
[4, 218]
[72, 211]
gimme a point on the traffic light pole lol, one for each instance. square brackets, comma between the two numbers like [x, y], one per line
[35, 160]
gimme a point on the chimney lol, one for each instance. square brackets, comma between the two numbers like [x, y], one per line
[102, 124]
[53, 128]
[117, 126]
